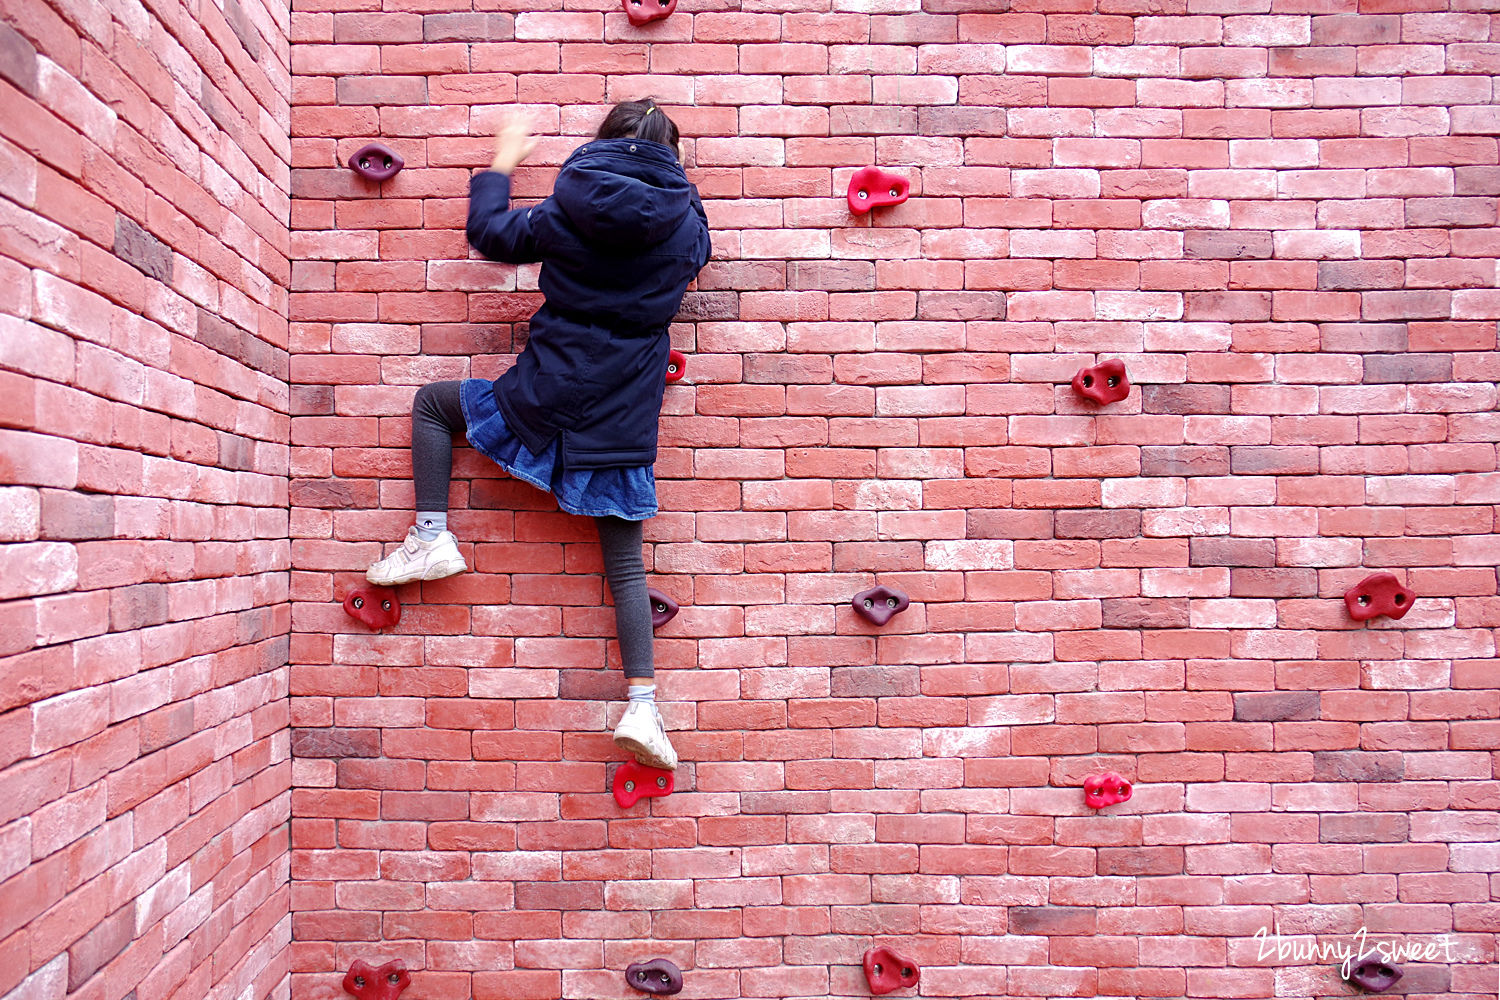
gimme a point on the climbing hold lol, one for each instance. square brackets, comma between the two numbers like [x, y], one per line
[1369, 973]
[676, 365]
[886, 970]
[657, 976]
[376, 162]
[663, 608]
[1379, 594]
[871, 187]
[1105, 789]
[1106, 382]
[377, 607]
[880, 604]
[645, 11]
[634, 781]
[369, 983]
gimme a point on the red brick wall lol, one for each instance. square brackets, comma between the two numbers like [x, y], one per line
[1284, 223]
[144, 625]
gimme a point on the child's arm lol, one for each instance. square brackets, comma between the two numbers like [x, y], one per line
[493, 229]
[706, 245]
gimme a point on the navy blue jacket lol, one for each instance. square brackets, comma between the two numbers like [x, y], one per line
[619, 240]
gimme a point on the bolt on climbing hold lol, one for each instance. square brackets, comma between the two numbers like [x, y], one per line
[1105, 382]
[1369, 973]
[1379, 594]
[658, 976]
[635, 781]
[376, 161]
[879, 605]
[376, 607]
[676, 365]
[1105, 789]
[871, 187]
[663, 608]
[366, 982]
[887, 970]
[645, 11]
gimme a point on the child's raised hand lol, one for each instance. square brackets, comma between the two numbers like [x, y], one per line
[513, 143]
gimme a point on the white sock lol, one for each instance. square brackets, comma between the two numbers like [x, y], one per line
[431, 523]
[643, 693]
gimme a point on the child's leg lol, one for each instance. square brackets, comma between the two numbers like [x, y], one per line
[436, 415]
[640, 731]
[430, 552]
[626, 572]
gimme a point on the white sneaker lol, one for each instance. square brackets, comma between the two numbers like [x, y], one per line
[418, 560]
[640, 733]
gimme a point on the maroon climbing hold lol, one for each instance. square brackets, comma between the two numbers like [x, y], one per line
[886, 970]
[879, 605]
[645, 11]
[376, 162]
[658, 976]
[377, 607]
[676, 365]
[663, 608]
[366, 982]
[1369, 973]
[1379, 594]
[634, 781]
[871, 187]
[1105, 789]
[1106, 382]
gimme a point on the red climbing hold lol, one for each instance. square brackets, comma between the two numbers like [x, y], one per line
[879, 605]
[377, 607]
[676, 365]
[645, 11]
[1379, 594]
[871, 187]
[1106, 382]
[369, 983]
[634, 781]
[886, 970]
[1105, 789]
[658, 976]
[663, 608]
[376, 162]
[1373, 975]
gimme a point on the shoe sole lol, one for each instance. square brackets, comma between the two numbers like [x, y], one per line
[438, 571]
[643, 755]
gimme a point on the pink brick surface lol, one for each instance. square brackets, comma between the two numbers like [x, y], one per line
[1281, 216]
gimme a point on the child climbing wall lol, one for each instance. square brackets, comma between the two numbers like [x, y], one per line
[619, 241]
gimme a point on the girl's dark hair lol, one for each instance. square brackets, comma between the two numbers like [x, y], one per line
[639, 120]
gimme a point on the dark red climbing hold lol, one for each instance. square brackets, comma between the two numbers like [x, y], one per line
[658, 976]
[366, 982]
[645, 11]
[887, 970]
[1379, 594]
[1106, 382]
[376, 162]
[879, 605]
[377, 607]
[676, 365]
[871, 187]
[1372, 975]
[1105, 789]
[634, 781]
[663, 608]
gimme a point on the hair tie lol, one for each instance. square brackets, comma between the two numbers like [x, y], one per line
[648, 111]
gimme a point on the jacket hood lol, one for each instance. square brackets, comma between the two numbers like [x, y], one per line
[625, 193]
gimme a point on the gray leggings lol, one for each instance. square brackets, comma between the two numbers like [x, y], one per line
[437, 415]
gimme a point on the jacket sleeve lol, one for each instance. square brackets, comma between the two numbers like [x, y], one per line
[707, 241]
[498, 232]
